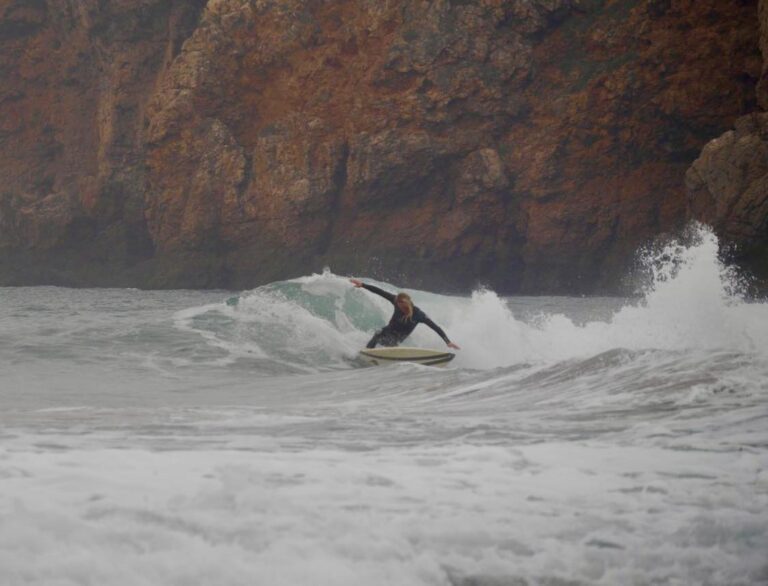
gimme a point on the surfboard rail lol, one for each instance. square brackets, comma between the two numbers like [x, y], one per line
[392, 355]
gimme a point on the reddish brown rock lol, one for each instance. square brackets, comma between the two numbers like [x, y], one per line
[728, 183]
[728, 188]
[76, 78]
[528, 144]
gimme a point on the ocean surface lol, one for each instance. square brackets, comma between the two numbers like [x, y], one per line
[218, 438]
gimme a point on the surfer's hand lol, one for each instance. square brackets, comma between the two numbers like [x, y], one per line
[356, 282]
[454, 346]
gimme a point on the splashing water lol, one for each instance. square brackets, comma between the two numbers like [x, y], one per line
[320, 321]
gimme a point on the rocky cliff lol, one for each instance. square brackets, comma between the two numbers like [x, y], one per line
[528, 144]
[728, 183]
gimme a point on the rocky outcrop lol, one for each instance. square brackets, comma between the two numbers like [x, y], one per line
[728, 183]
[528, 144]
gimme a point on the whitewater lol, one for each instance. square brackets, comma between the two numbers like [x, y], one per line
[212, 437]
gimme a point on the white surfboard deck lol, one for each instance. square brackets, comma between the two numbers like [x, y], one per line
[379, 356]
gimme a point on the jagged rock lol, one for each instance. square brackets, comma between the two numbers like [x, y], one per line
[728, 183]
[531, 145]
[728, 187]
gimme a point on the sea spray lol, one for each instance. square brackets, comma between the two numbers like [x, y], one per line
[689, 303]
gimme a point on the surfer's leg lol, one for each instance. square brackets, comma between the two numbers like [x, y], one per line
[384, 337]
[375, 340]
[389, 339]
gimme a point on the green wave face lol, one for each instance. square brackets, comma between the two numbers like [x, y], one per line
[312, 323]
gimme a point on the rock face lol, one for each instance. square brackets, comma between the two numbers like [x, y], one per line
[728, 183]
[76, 78]
[528, 144]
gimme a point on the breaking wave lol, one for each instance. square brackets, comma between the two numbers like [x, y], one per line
[320, 321]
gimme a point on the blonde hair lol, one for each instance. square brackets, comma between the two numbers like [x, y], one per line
[407, 298]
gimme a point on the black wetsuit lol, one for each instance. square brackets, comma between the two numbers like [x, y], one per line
[399, 328]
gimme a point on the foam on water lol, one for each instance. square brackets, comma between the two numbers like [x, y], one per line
[199, 438]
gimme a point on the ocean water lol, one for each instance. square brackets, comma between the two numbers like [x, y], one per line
[203, 437]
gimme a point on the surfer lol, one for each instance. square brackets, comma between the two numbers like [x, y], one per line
[404, 320]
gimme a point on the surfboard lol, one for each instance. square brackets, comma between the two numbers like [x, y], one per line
[379, 356]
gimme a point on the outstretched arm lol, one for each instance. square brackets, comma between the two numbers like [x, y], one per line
[373, 289]
[438, 330]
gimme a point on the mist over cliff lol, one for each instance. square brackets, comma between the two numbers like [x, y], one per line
[531, 145]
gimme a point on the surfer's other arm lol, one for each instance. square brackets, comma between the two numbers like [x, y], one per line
[424, 319]
[373, 289]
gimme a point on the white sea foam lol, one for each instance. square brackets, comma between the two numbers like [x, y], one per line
[688, 305]
[585, 513]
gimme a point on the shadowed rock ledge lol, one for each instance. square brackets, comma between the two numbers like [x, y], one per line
[530, 145]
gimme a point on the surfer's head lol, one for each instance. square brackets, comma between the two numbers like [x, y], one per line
[404, 304]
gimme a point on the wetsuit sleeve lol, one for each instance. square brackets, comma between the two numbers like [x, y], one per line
[373, 289]
[438, 330]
